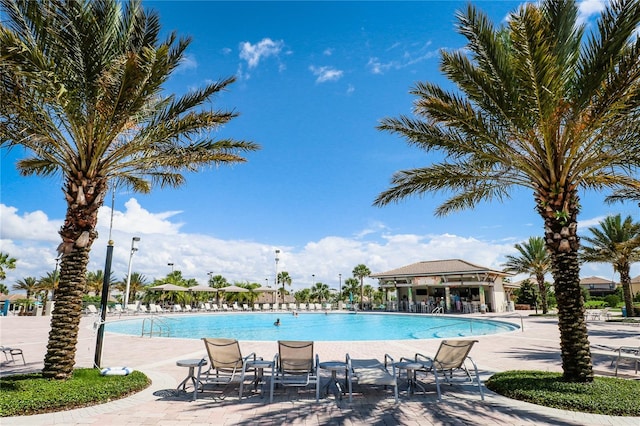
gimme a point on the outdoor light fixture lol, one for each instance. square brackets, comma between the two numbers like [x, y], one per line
[134, 240]
[277, 259]
[170, 264]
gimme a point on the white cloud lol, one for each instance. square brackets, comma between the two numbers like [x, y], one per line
[188, 62]
[32, 238]
[325, 74]
[588, 8]
[328, 52]
[254, 53]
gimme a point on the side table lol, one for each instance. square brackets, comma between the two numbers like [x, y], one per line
[334, 367]
[259, 365]
[192, 364]
[410, 367]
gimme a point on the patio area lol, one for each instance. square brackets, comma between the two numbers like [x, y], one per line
[161, 404]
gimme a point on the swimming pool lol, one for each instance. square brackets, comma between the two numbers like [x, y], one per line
[334, 326]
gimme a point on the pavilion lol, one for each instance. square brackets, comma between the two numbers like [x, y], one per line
[454, 284]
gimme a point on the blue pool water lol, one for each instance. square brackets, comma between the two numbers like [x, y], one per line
[317, 326]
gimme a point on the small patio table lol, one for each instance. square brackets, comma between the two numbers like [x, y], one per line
[411, 367]
[334, 367]
[192, 364]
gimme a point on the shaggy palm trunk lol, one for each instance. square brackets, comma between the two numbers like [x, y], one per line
[65, 318]
[559, 209]
[84, 197]
[543, 293]
[625, 280]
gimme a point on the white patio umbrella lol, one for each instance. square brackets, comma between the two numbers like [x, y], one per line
[233, 289]
[168, 287]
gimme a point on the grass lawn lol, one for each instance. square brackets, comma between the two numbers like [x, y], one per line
[605, 395]
[27, 394]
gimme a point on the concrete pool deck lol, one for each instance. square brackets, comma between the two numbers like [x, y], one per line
[535, 348]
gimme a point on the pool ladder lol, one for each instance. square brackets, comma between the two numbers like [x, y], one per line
[157, 326]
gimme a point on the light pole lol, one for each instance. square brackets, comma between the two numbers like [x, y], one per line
[277, 259]
[134, 240]
[313, 280]
[340, 284]
[170, 264]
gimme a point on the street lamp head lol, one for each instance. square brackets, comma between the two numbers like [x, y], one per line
[136, 238]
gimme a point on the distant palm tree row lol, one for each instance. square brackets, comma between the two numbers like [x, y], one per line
[613, 241]
[139, 288]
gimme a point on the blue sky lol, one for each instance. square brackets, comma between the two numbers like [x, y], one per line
[313, 81]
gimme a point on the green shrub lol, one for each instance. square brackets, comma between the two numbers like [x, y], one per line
[612, 300]
[27, 394]
[594, 304]
[605, 395]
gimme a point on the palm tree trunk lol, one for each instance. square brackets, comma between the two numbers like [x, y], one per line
[559, 209]
[543, 293]
[65, 318]
[625, 280]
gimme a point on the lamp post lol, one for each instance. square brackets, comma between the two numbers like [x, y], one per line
[313, 280]
[134, 240]
[340, 284]
[277, 259]
[170, 264]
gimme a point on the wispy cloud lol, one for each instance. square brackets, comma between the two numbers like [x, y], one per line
[324, 74]
[404, 57]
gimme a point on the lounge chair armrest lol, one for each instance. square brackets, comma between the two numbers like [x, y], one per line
[421, 358]
[388, 359]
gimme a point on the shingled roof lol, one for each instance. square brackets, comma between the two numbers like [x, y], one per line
[437, 268]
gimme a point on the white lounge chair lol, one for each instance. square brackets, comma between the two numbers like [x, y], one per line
[187, 308]
[91, 310]
[295, 365]
[372, 372]
[236, 307]
[226, 365]
[176, 308]
[256, 306]
[266, 307]
[245, 307]
[12, 352]
[450, 358]
[225, 307]
[214, 307]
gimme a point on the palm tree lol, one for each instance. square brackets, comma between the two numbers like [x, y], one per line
[534, 259]
[618, 243]
[218, 281]
[539, 104]
[81, 84]
[320, 292]
[95, 280]
[28, 284]
[350, 287]
[49, 283]
[361, 271]
[4, 289]
[137, 284]
[6, 262]
[284, 278]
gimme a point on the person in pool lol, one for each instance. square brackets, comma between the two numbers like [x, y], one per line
[277, 323]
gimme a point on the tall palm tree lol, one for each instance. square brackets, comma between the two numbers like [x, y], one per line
[541, 104]
[534, 260]
[617, 242]
[361, 271]
[137, 283]
[49, 283]
[6, 262]
[320, 291]
[95, 280]
[351, 287]
[28, 284]
[81, 84]
[285, 279]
